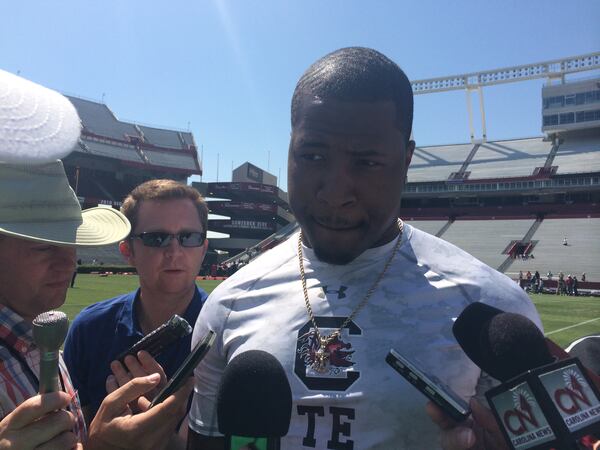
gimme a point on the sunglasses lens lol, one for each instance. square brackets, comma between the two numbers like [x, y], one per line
[192, 239]
[161, 239]
[156, 239]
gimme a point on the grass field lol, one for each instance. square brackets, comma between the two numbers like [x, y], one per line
[564, 318]
[568, 318]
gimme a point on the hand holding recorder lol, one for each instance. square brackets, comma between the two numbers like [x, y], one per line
[154, 422]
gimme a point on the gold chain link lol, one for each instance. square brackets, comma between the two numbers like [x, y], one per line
[323, 342]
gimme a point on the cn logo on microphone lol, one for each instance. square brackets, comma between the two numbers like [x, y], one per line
[572, 396]
[522, 417]
[519, 419]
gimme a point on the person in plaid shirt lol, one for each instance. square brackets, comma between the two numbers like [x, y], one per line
[41, 225]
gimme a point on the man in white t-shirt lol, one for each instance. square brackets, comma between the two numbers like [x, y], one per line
[331, 302]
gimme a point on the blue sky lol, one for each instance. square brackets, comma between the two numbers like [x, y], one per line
[228, 68]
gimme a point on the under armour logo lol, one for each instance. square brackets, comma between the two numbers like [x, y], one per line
[340, 292]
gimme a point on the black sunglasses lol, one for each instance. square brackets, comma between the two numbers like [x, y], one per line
[162, 239]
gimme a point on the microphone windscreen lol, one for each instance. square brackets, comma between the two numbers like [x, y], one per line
[502, 344]
[50, 329]
[254, 398]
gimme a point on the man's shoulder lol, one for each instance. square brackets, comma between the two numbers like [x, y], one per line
[104, 310]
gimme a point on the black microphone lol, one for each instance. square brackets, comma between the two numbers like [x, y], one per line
[49, 332]
[541, 403]
[502, 344]
[254, 402]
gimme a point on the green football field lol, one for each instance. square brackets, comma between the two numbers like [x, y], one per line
[564, 318]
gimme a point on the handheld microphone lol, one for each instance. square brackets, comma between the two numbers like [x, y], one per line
[541, 403]
[159, 339]
[254, 402]
[49, 332]
[502, 344]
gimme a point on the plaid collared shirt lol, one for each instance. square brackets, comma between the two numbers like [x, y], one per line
[20, 368]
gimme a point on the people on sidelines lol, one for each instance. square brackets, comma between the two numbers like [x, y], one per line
[41, 225]
[561, 286]
[356, 281]
[167, 245]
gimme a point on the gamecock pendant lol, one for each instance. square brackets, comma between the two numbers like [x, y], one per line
[321, 360]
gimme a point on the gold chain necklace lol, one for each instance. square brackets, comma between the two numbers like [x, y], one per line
[322, 356]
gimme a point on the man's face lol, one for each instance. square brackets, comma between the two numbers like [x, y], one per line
[346, 169]
[169, 270]
[34, 277]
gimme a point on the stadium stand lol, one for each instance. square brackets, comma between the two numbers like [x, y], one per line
[509, 211]
[498, 159]
[122, 152]
[98, 119]
[486, 238]
[437, 162]
[578, 155]
[114, 156]
[582, 253]
[166, 138]
[102, 255]
[164, 159]
[171, 153]
[514, 158]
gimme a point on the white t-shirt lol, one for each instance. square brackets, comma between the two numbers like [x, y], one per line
[360, 402]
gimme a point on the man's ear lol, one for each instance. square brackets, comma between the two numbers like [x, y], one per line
[410, 149]
[126, 250]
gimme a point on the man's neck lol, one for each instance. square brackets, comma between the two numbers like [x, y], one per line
[154, 309]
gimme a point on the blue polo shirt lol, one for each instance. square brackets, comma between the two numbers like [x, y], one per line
[103, 330]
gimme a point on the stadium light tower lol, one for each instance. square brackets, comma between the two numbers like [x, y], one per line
[554, 71]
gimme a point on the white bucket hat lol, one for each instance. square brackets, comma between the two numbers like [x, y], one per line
[36, 202]
[37, 125]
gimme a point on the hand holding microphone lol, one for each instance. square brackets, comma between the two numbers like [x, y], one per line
[42, 420]
[541, 403]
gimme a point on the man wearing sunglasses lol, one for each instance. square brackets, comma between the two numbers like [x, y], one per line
[167, 245]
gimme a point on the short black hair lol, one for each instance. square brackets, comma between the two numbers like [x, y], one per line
[358, 74]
